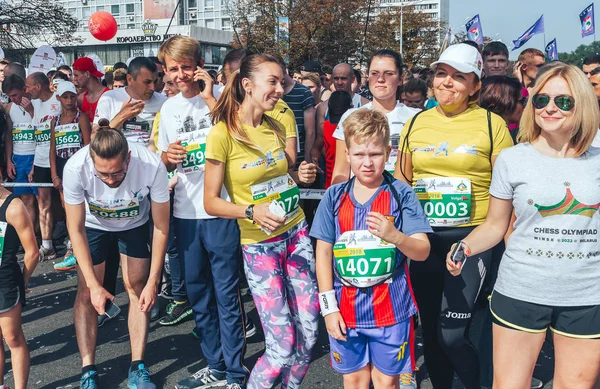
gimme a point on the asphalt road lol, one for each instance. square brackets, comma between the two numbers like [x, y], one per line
[172, 352]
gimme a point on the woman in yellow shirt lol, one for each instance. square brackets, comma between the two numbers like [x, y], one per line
[447, 154]
[245, 151]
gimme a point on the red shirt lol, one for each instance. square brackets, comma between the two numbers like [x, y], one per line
[329, 142]
[90, 108]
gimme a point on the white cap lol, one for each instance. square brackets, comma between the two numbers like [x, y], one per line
[65, 86]
[462, 57]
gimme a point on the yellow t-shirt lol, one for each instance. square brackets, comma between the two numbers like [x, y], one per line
[250, 173]
[457, 147]
[284, 115]
[154, 134]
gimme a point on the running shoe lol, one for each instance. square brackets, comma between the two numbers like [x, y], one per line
[249, 329]
[536, 384]
[408, 381]
[235, 385]
[89, 380]
[69, 263]
[140, 379]
[176, 313]
[47, 254]
[203, 379]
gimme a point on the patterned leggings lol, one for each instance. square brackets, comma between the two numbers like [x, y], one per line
[281, 276]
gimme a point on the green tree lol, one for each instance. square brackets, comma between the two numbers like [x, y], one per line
[28, 24]
[577, 56]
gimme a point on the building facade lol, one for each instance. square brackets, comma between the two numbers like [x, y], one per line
[437, 9]
[142, 27]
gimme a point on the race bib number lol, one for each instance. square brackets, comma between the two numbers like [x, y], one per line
[445, 200]
[125, 209]
[42, 133]
[137, 131]
[281, 189]
[3, 227]
[67, 136]
[22, 133]
[194, 159]
[362, 259]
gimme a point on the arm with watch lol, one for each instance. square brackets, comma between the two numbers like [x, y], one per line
[214, 205]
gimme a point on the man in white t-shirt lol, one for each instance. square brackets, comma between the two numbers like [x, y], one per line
[45, 108]
[132, 109]
[209, 246]
[110, 188]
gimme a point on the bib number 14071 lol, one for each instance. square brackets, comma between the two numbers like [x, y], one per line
[354, 266]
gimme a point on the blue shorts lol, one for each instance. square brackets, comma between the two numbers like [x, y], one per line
[389, 349]
[23, 165]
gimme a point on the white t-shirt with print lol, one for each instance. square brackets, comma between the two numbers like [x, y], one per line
[43, 113]
[187, 120]
[116, 209]
[137, 129]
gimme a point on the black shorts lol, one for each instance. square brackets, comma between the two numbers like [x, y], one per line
[60, 166]
[575, 322]
[42, 175]
[133, 243]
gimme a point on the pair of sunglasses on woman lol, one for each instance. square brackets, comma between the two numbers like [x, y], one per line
[563, 102]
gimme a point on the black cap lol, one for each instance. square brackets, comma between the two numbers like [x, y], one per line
[339, 102]
[311, 67]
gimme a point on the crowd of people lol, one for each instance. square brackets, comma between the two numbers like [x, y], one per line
[448, 186]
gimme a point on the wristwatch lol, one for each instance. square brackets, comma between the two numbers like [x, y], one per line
[250, 212]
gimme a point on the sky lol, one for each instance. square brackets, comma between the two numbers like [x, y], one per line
[506, 20]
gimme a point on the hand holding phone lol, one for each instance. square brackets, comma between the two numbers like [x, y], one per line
[458, 254]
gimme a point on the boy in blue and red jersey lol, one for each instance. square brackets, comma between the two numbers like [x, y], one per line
[365, 229]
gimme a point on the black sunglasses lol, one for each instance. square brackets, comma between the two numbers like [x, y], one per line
[563, 102]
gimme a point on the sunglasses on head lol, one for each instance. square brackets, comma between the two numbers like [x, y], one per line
[563, 102]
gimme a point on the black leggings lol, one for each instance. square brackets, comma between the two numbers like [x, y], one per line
[446, 305]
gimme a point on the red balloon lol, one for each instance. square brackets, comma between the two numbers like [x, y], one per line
[102, 25]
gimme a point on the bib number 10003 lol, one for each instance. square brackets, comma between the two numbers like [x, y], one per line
[353, 266]
[443, 209]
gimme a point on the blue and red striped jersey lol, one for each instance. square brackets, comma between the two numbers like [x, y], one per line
[389, 303]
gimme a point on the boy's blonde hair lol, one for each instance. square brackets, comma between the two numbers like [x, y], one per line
[179, 48]
[364, 124]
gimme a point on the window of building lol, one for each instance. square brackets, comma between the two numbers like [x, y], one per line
[210, 23]
[85, 12]
[131, 26]
[226, 24]
[129, 9]
[192, 4]
[100, 8]
[114, 9]
[209, 3]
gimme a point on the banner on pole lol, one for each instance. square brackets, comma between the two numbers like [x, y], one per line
[474, 30]
[537, 28]
[588, 25]
[552, 50]
[283, 36]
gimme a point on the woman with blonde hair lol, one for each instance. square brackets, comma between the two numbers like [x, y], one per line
[548, 277]
[313, 82]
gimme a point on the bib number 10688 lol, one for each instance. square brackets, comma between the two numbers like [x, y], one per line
[353, 266]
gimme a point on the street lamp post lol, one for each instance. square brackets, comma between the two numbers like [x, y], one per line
[402, 5]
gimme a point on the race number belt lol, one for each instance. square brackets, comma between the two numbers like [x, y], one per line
[125, 209]
[281, 189]
[3, 227]
[363, 260]
[137, 131]
[42, 133]
[22, 133]
[195, 146]
[445, 200]
[67, 136]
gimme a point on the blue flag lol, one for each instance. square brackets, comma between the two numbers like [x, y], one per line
[588, 27]
[552, 50]
[474, 30]
[537, 28]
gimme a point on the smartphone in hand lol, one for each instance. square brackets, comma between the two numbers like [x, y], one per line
[458, 254]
